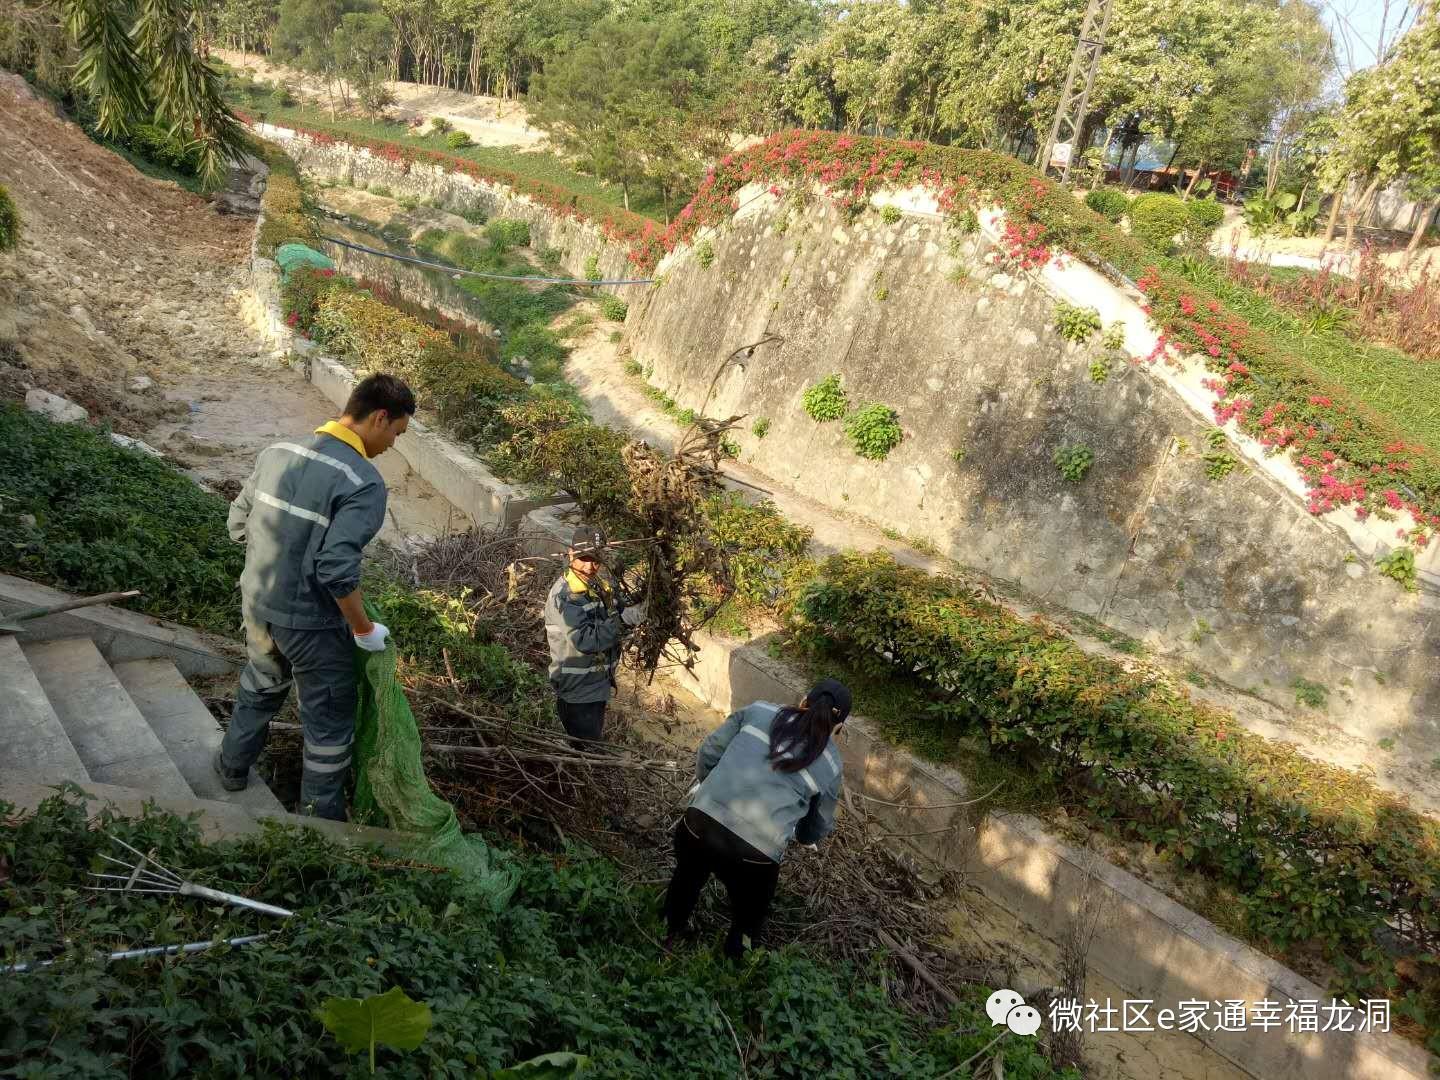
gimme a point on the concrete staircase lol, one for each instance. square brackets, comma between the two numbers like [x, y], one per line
[68, 714]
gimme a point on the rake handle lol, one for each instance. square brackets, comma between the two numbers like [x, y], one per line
[189, 889]
[68, 605]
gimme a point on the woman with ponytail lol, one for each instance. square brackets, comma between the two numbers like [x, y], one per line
[769, 775]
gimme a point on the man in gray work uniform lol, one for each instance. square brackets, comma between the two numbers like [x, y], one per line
[584, 621]
[305, 515]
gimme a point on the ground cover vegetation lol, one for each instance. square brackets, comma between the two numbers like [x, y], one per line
[569, 965]
[83, 514]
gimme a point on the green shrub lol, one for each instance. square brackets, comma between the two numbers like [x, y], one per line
[439, 125]
[767, 554]
[1310, 694]
[474, 215]
[592, 268]
[507, 233]
[1099, 371]
[1108, 203]
[704, 254]
[761, 427]
[1319, 857]
[1076, 324]
[1074, 461]
[1206, 215]
[826, 400]
[1158, 220]
[287, 211]
[1114, 337]
[1219, 462]
[9, 222]
[890, 215]
[108, 518]
[873, 430]
[613, 308]
[458, 140]
[156, 144]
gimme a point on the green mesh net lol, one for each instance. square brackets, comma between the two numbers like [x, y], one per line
[390, 785]
[291, 256]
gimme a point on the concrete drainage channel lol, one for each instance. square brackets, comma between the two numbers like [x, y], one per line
[1162, 953]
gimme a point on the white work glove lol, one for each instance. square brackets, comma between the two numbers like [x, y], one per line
[374, 641]
[633, 615]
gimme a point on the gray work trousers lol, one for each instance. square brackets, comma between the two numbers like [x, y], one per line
[322, 663]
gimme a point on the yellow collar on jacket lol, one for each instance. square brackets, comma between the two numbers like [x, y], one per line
[344, 434]
[576, 582]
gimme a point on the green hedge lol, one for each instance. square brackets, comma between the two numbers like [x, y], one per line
[9, 222]
[1158, 220]
[462, 386]
[1318, 856]
[1108, 203]
[107, 519]
[1205, 215]
[286, 207]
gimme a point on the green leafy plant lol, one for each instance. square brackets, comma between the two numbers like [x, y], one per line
[613, 308]
[1074, 461]
[704, 254]
[474, 215]
[1158, 220]
[825, 400]
[1310, 694]
[1099, 370]
[761, 427]
[1283, 213]
[592, 267]
[1399, 566]
[507, 233]
[389, 1019]
[557, 1066]
[88, 516]
[439, 125]
[1113, 339]
[1076, 324]
[1108, 203]
[1219, 462]
[458, 140]
[381, 190]
[873, 430]
[890, 214]
[1206, 215]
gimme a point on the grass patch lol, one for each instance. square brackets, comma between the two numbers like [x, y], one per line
[538, 165]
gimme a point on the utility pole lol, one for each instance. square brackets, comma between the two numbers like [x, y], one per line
[1075, 99]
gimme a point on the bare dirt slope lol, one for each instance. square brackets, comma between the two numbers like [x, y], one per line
[125, 296]
[116, 275]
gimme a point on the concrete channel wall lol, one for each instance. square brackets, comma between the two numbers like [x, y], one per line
[1155, 949]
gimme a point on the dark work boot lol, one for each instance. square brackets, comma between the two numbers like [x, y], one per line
[230, 780]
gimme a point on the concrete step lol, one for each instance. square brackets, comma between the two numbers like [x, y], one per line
[187, 731]
[112, 738]
[32, 739]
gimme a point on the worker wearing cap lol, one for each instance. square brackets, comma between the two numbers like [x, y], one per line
[584, 622]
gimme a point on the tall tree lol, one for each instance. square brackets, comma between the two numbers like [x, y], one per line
[136, 61]
[362, 55]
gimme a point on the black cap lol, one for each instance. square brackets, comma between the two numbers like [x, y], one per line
[839, 696]
[587, 538]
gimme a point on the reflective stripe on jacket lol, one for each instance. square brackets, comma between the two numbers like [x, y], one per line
[763, 806]
[584, 634]
[305, 515]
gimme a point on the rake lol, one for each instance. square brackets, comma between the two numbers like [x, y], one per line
[148, 876]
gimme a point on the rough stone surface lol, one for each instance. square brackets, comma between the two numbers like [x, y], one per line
[57, 408]
[1145, 542]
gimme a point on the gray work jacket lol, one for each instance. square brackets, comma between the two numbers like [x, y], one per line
[584, 633]
[763, 806]
[304, 516]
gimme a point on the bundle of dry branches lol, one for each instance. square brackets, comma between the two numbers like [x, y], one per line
[686, 576]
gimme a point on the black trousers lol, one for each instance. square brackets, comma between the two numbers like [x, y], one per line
[584, 720]
[703, 847]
